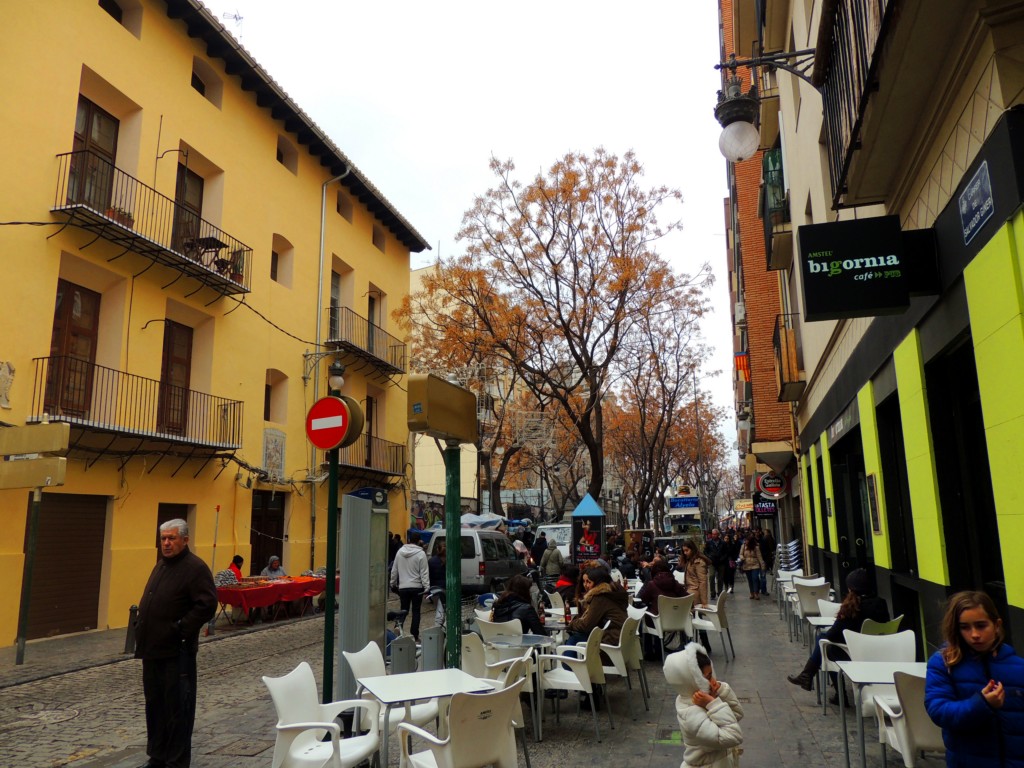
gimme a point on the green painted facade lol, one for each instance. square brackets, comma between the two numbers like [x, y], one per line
[873, 466]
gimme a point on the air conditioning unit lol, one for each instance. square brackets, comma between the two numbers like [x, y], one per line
[741, 313]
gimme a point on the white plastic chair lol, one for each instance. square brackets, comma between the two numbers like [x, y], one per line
[622, 656]
[827, 667]
[674, 615]
[557, 603]
[584, 672]
[782, 578]
[369, 662]
[489, 630]
[806, 604]
[828, 608]
[715, 619]
[637, 612]
[481, 731]
[302, 722]
[901, 647]
[909, 731]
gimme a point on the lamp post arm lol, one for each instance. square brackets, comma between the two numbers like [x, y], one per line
[795, 62]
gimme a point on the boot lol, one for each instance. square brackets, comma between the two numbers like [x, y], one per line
[806, 677]
[834, 698]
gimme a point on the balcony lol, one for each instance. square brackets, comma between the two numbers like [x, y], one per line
[116, 413]
[789, 375]
[100, 198]
[357, 336]
[774, 205]
[370, 457]
[884, 68]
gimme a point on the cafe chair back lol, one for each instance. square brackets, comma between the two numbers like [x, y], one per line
[369, 662]
[872, 627]
[828, 608]
[900, 647]
[715, 619]
[489, 630]
[557, 603]
[907, 728]
[674, 615]
[624, 659]
[480, 731]
[303, 722]
[582, 672]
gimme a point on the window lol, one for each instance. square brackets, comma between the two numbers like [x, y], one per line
[91, 177]
[275, 396]
[378, 237]
[115, 10]
[175, 377]
[344, 206]
[273, 265]
[282, 259]
[127, 13]
[206, 81]
[188, 210]
[73, 341]
[287, 155]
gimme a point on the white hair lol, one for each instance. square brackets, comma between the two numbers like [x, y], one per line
[178, 523]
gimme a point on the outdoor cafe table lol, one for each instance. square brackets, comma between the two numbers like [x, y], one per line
[390, 690]
[249, 595]
[861, 673]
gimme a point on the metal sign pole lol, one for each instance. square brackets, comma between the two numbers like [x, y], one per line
[26, 579]
[453, 560]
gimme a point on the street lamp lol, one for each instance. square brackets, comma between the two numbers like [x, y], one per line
[335, 381]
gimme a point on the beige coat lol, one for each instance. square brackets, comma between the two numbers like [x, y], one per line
[696, 583]
[750, 559]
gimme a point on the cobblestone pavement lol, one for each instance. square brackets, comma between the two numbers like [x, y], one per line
[91, 716]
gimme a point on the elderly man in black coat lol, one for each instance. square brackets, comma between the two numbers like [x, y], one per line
[179, 599]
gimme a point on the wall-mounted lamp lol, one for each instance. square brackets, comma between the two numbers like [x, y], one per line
[737, 112]
[336, 375]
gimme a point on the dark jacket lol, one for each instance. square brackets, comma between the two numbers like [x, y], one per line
[436, 568]
[661, 584]
[537, 550]
[871, 607]
[975, 734]
[715, 551]
[179, 599]
[601, 604]
[512, 607]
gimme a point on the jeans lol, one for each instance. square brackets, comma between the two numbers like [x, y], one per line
[754, 580]
[716, 580]
[411, 600]
[763, 581]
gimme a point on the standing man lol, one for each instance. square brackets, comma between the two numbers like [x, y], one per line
[714, 550]
[179, 599]
[537, 550]
[411, 575]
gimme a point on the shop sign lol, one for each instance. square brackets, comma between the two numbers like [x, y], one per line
[976, 203]
[854, 268]
[772, 484]
[743, 505]
[766, 508]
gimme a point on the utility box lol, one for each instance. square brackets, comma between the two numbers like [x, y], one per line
[441, 409]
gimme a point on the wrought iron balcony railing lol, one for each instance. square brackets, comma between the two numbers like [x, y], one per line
[778, 233]
[98, 398]
[856, 37]
[374, 454]
[357, 335]
[120, 208]
[789, 375]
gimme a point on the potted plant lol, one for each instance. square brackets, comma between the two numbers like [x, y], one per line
[122, 216]
[238, 266]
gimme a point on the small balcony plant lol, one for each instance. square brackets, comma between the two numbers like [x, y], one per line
[122, 216]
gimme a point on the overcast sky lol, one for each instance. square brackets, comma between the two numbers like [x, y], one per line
[421, 95]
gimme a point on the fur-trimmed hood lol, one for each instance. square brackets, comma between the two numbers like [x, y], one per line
[683, 673]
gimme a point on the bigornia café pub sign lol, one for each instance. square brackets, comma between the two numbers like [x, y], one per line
[854, 268]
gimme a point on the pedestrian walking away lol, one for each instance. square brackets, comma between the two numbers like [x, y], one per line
[410, 575]
[179, 599]
[751, 564]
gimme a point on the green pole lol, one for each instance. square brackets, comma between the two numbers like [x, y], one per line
[332, 566]
[453, 560]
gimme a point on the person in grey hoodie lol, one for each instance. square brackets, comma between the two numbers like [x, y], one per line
[410, 574]
[273, 569]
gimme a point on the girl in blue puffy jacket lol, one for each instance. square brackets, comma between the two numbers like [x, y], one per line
[975, 687]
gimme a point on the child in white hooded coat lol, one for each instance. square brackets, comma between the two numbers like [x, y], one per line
[708, 710]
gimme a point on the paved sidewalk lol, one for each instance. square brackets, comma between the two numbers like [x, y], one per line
[52, 715]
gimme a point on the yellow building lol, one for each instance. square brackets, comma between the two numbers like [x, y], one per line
[182, 266]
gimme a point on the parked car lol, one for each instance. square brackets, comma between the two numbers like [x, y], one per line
[560, 533]
[488, 558]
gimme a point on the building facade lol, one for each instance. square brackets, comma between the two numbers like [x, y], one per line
[900, 139]
[186, 253]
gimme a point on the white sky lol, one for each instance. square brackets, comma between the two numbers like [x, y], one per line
[420, 95]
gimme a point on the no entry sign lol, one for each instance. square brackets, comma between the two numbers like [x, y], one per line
[327, 423]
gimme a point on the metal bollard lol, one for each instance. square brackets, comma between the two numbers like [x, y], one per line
[433, 648]
[129, 637]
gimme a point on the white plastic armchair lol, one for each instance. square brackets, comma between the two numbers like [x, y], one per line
[900, 647]
[489, 630]
[624, 658]
[909, 731]
[715, 619]
[806, 604]
[674, 615]
[302, 722]
[580, 672]
[369, 662]
[827, 666]
[480, 732]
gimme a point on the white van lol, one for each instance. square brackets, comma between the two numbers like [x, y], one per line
[488, 558]
[561, 534]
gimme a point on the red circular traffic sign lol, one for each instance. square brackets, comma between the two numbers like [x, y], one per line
[327, 423]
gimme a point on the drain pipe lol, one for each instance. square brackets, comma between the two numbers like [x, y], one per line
[316, 377]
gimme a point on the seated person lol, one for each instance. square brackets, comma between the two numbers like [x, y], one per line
[236, 566]
[662, 582]
[515, 603]
[273, 569]
[603, 602]
[568, 576]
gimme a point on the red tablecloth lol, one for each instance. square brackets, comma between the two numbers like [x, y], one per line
[262, 595]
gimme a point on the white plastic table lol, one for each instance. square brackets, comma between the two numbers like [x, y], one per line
[861, 673]
[533, 642]
[412, 686]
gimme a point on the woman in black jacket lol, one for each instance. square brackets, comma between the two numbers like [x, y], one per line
[515, 603]
[860, 603]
